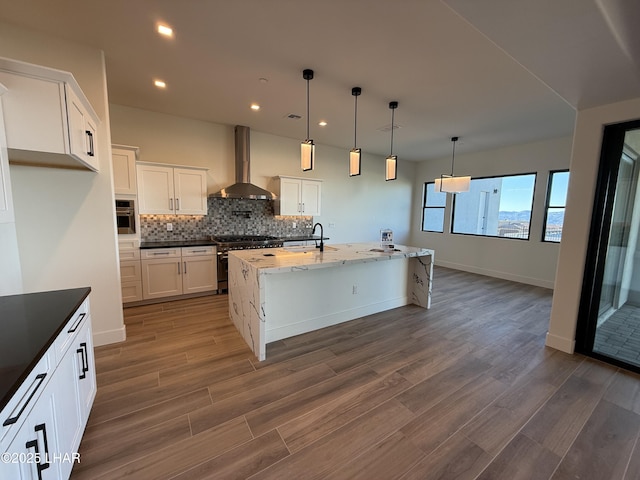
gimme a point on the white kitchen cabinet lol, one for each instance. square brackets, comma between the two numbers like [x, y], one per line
[48, 413]
[130, 270]
[161, 273]
[168, 272]
[199, 269]
[298, 196]
[167, 190]
[36, 436]
[124, 169]
[48, 120]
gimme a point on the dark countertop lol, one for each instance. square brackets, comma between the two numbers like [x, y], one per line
[29, 324]
[208, 241]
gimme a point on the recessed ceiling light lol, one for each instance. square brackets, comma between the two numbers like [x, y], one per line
[322, 123]
[160, 84]
[255, 106]
[165, 30]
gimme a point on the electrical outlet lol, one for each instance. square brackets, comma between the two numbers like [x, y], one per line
[354, 290]
[294, 224]
[169, 227]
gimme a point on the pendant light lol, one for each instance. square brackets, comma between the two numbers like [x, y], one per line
[391, 167]
[451, 183]
[355, 153]
[307, 147]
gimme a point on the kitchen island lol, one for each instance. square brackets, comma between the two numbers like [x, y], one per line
[278, 293]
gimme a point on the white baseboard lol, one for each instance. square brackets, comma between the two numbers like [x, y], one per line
[317, 323]
[566, 345]
[538, 282]
[110, 336]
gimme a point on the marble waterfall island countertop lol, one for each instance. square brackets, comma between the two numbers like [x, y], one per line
[289, 259]
[277, 293]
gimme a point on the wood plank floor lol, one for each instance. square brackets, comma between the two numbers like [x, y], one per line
[464, 390]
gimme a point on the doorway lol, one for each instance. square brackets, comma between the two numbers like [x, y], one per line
[609, 316]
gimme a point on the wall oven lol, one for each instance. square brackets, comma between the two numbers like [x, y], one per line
[126, 216]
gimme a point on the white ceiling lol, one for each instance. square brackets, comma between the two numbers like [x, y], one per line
[494, 72]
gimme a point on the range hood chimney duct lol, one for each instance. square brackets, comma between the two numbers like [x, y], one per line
[243, 188]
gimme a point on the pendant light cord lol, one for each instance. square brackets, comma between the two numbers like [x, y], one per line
[393, 111]
[453, 155]
[355, 125]
[307, 109]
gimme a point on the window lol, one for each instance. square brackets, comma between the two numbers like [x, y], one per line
[433, 209]
[495, 207]
[556, 202]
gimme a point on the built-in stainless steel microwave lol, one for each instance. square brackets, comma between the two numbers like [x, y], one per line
[126, 216]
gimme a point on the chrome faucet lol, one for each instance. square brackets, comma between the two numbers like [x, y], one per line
[321, 246]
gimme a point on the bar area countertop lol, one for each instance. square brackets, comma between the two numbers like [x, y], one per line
[290, 259]
[30, 323]
[277, 293]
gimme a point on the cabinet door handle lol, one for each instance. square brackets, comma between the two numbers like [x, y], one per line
[303, 207]
[177, 204]
[185, 268]
[90, 135]
[171, 204]
[77, 324]
[34, 444]
[160, 253]
[34, 386]
[179, 272]
[84, 358]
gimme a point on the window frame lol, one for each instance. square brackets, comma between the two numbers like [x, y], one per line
[547, 207]
[533, 196]
[425, 207]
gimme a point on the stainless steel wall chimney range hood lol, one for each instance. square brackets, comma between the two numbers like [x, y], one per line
[243, 188]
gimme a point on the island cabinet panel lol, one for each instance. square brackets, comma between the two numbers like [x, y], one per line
[277, 293]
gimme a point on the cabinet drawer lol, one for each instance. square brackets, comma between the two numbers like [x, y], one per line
[160, 253]
[198, 251]
[129, 254]
[70, 330]
[18, 408]
[131, 291]
[130, 271]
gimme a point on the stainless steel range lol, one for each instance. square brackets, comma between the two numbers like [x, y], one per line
[224, 243]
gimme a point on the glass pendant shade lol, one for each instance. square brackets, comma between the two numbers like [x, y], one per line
[452, 184]
[391, 168]
[354, 162]
[307, 150]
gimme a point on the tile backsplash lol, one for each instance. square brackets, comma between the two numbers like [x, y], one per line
[225, 216]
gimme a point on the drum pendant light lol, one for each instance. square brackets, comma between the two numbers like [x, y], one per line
[307, 148]
[355, 153]
[451, 183]
[391, 167]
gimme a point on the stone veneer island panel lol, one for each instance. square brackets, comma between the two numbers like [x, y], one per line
[276, 293]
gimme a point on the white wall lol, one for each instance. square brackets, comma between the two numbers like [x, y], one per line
[585, 161]
[532, 262]
[64, 219]
[358, 207]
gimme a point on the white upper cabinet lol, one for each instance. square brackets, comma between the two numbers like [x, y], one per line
[166, 190]
[48, 120]
[124, 169]
[298, 196]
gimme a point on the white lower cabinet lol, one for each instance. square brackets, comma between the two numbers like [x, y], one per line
[168, 272]
[42, 425]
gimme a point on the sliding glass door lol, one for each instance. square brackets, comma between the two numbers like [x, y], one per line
[609, 319]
